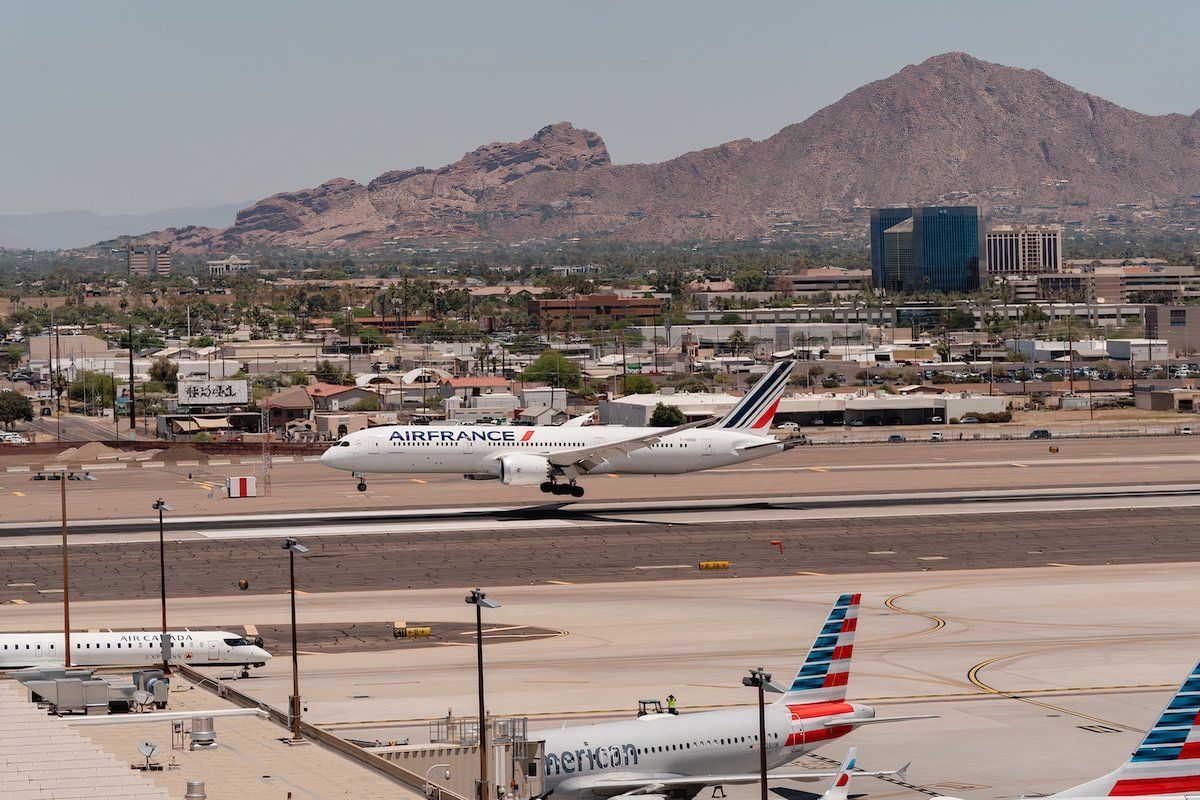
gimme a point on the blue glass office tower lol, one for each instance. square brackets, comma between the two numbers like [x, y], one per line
[881, 220]
[947, 243]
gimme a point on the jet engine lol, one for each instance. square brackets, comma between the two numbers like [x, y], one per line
[519, 469]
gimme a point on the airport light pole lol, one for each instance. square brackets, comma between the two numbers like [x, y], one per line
[761, 680]
[293, 547]
[480, 601]
[65, 574]
[160, 507]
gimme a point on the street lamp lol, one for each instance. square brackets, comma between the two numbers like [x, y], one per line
[160, 507]
[293, 547]
[63, 477]
[480, 601]
[762, 681]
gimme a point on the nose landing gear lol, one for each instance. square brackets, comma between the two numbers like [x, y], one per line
[362, 481]
[553, 487]
[362, 486]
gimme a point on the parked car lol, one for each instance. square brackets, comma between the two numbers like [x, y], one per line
[936, 436]
[1185, 431]
[935, 419]
[896, 438]
[788, 426]
[969, 421]
[1039, 433]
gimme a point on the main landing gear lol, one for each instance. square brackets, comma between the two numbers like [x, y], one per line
[572, 488]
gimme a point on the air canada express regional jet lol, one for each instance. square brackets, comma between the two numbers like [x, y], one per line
[130, 648]
[554, 457]
[677, 756]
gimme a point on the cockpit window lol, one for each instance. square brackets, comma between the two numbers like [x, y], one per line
[343, 443]
[239, 642]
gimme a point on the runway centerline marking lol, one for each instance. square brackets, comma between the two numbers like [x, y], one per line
[665, 566]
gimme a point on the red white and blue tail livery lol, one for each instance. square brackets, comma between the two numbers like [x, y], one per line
[675, 756]
[1167, 762]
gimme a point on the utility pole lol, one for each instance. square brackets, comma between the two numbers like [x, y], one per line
[62, 481]
[132, 397]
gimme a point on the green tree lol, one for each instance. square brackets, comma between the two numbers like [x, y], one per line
[14, 408]
[730, 318]
[165, 371]
[201, 341]
[97, 388]
[666, 416]
[368, 404]
[638, 384]
[327, 372]
[750, 280]
[736, 340]
[960, 319]
[554, 368]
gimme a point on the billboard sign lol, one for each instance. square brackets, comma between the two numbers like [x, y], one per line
[213, 393]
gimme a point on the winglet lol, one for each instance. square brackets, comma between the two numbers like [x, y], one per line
[840, 788]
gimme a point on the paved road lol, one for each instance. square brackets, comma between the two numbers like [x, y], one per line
[603, 552]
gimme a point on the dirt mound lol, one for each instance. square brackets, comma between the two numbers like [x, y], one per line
[180, 452]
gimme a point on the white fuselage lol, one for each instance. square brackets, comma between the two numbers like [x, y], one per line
[476, 449]
[688, 745]
[128, 648]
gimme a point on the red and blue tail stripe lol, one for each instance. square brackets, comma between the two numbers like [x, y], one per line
[1168, 759]
[823, 676]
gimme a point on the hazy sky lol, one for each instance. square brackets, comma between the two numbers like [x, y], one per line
[130, 107]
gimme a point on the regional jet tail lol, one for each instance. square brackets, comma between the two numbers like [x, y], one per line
[1167, 762]
[676, 756]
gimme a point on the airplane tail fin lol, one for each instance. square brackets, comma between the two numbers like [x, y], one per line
[757, 409]
[1168, 759]
[840, 788]
[826, 669]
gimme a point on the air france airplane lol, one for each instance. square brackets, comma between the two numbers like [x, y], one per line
[131, 648]
[1165, 766]
[554, 457]
[677, 756]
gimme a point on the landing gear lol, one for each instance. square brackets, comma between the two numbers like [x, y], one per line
[572, 488]
[245, 671]
[362, 486]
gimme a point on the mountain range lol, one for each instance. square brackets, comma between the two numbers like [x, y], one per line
[951, 127]
[63, 230]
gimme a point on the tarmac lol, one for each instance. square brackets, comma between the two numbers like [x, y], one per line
[1042, 678]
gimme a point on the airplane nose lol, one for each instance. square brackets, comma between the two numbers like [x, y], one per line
[261, 655]
[327, 457]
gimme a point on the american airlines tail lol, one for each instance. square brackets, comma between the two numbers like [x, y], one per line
[756, 410]
[823, 676]
[1168, 759]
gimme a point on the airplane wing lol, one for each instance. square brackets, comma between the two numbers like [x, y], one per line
[587, 458]
[632, 786]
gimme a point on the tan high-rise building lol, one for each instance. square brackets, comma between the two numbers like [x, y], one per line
[1024, 249]
[148, 260]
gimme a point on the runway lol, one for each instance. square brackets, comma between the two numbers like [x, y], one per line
[1133, 525]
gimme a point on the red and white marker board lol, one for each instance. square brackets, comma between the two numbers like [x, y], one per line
[242, 487]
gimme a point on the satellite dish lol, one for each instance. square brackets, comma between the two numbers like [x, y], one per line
[142, 699]
[148, 749]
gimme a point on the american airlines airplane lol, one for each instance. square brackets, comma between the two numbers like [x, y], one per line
[131, 648]
[555, 457]
[1165, 766]
[677, 756]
